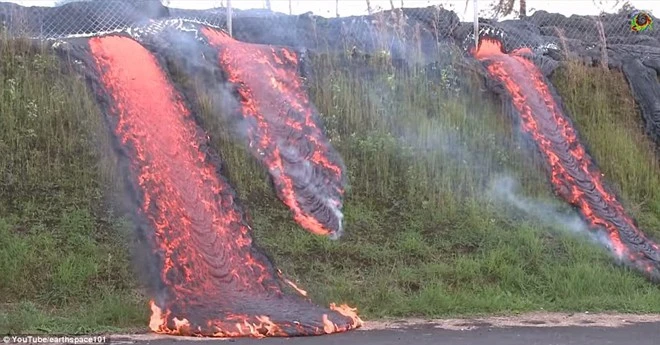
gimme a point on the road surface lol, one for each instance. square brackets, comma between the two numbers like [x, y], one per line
[644, 333]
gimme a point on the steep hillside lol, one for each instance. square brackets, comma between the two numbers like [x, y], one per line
[65, 252]
[428, 157]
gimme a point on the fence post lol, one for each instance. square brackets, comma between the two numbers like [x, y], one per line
[229, 18]
[476, 24]
[9, 24]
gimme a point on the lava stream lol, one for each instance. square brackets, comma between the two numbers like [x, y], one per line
[213, 280]
[574, 175]
[282, 131]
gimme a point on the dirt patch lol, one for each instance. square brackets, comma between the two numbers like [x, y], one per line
[537, 319]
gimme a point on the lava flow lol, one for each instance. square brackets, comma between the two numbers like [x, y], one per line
[574, 175]
[282, 131]
[212, 281]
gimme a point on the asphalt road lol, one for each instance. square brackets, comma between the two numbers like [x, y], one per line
[637, 334]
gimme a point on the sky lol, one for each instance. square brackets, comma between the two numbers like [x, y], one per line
[326, 8]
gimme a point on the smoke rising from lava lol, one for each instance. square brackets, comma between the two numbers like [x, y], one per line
[213, 280]
[573, 174]
[283, 130]
[506, 189]
[258, 92]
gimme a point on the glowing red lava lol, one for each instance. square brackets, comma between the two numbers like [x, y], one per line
[282, 131]
[574, 175]
[213, 280]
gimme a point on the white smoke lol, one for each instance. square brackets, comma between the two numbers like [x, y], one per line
[506, 189]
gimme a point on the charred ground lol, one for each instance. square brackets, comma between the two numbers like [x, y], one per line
[421, 148]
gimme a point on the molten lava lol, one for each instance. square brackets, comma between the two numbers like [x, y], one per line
[574, 175]
[283, 132]
[213, 281]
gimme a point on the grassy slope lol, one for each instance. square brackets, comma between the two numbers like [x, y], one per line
[422, 237]
[63, 258]
[614, 133]
[432, 244]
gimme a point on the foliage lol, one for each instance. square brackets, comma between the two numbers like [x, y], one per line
[61, 248]
[423, 235]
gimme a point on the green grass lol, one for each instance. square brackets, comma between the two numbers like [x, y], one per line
[63, 258]
[423, 238]
[604, 113]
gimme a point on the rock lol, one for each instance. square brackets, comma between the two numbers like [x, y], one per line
[410, 35]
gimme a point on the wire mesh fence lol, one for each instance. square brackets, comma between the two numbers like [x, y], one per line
[86, 18]
[93, 17]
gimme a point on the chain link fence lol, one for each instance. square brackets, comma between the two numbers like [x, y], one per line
[93, 17]
[86, 18]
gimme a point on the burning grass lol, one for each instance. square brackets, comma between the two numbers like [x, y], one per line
[420, 238]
